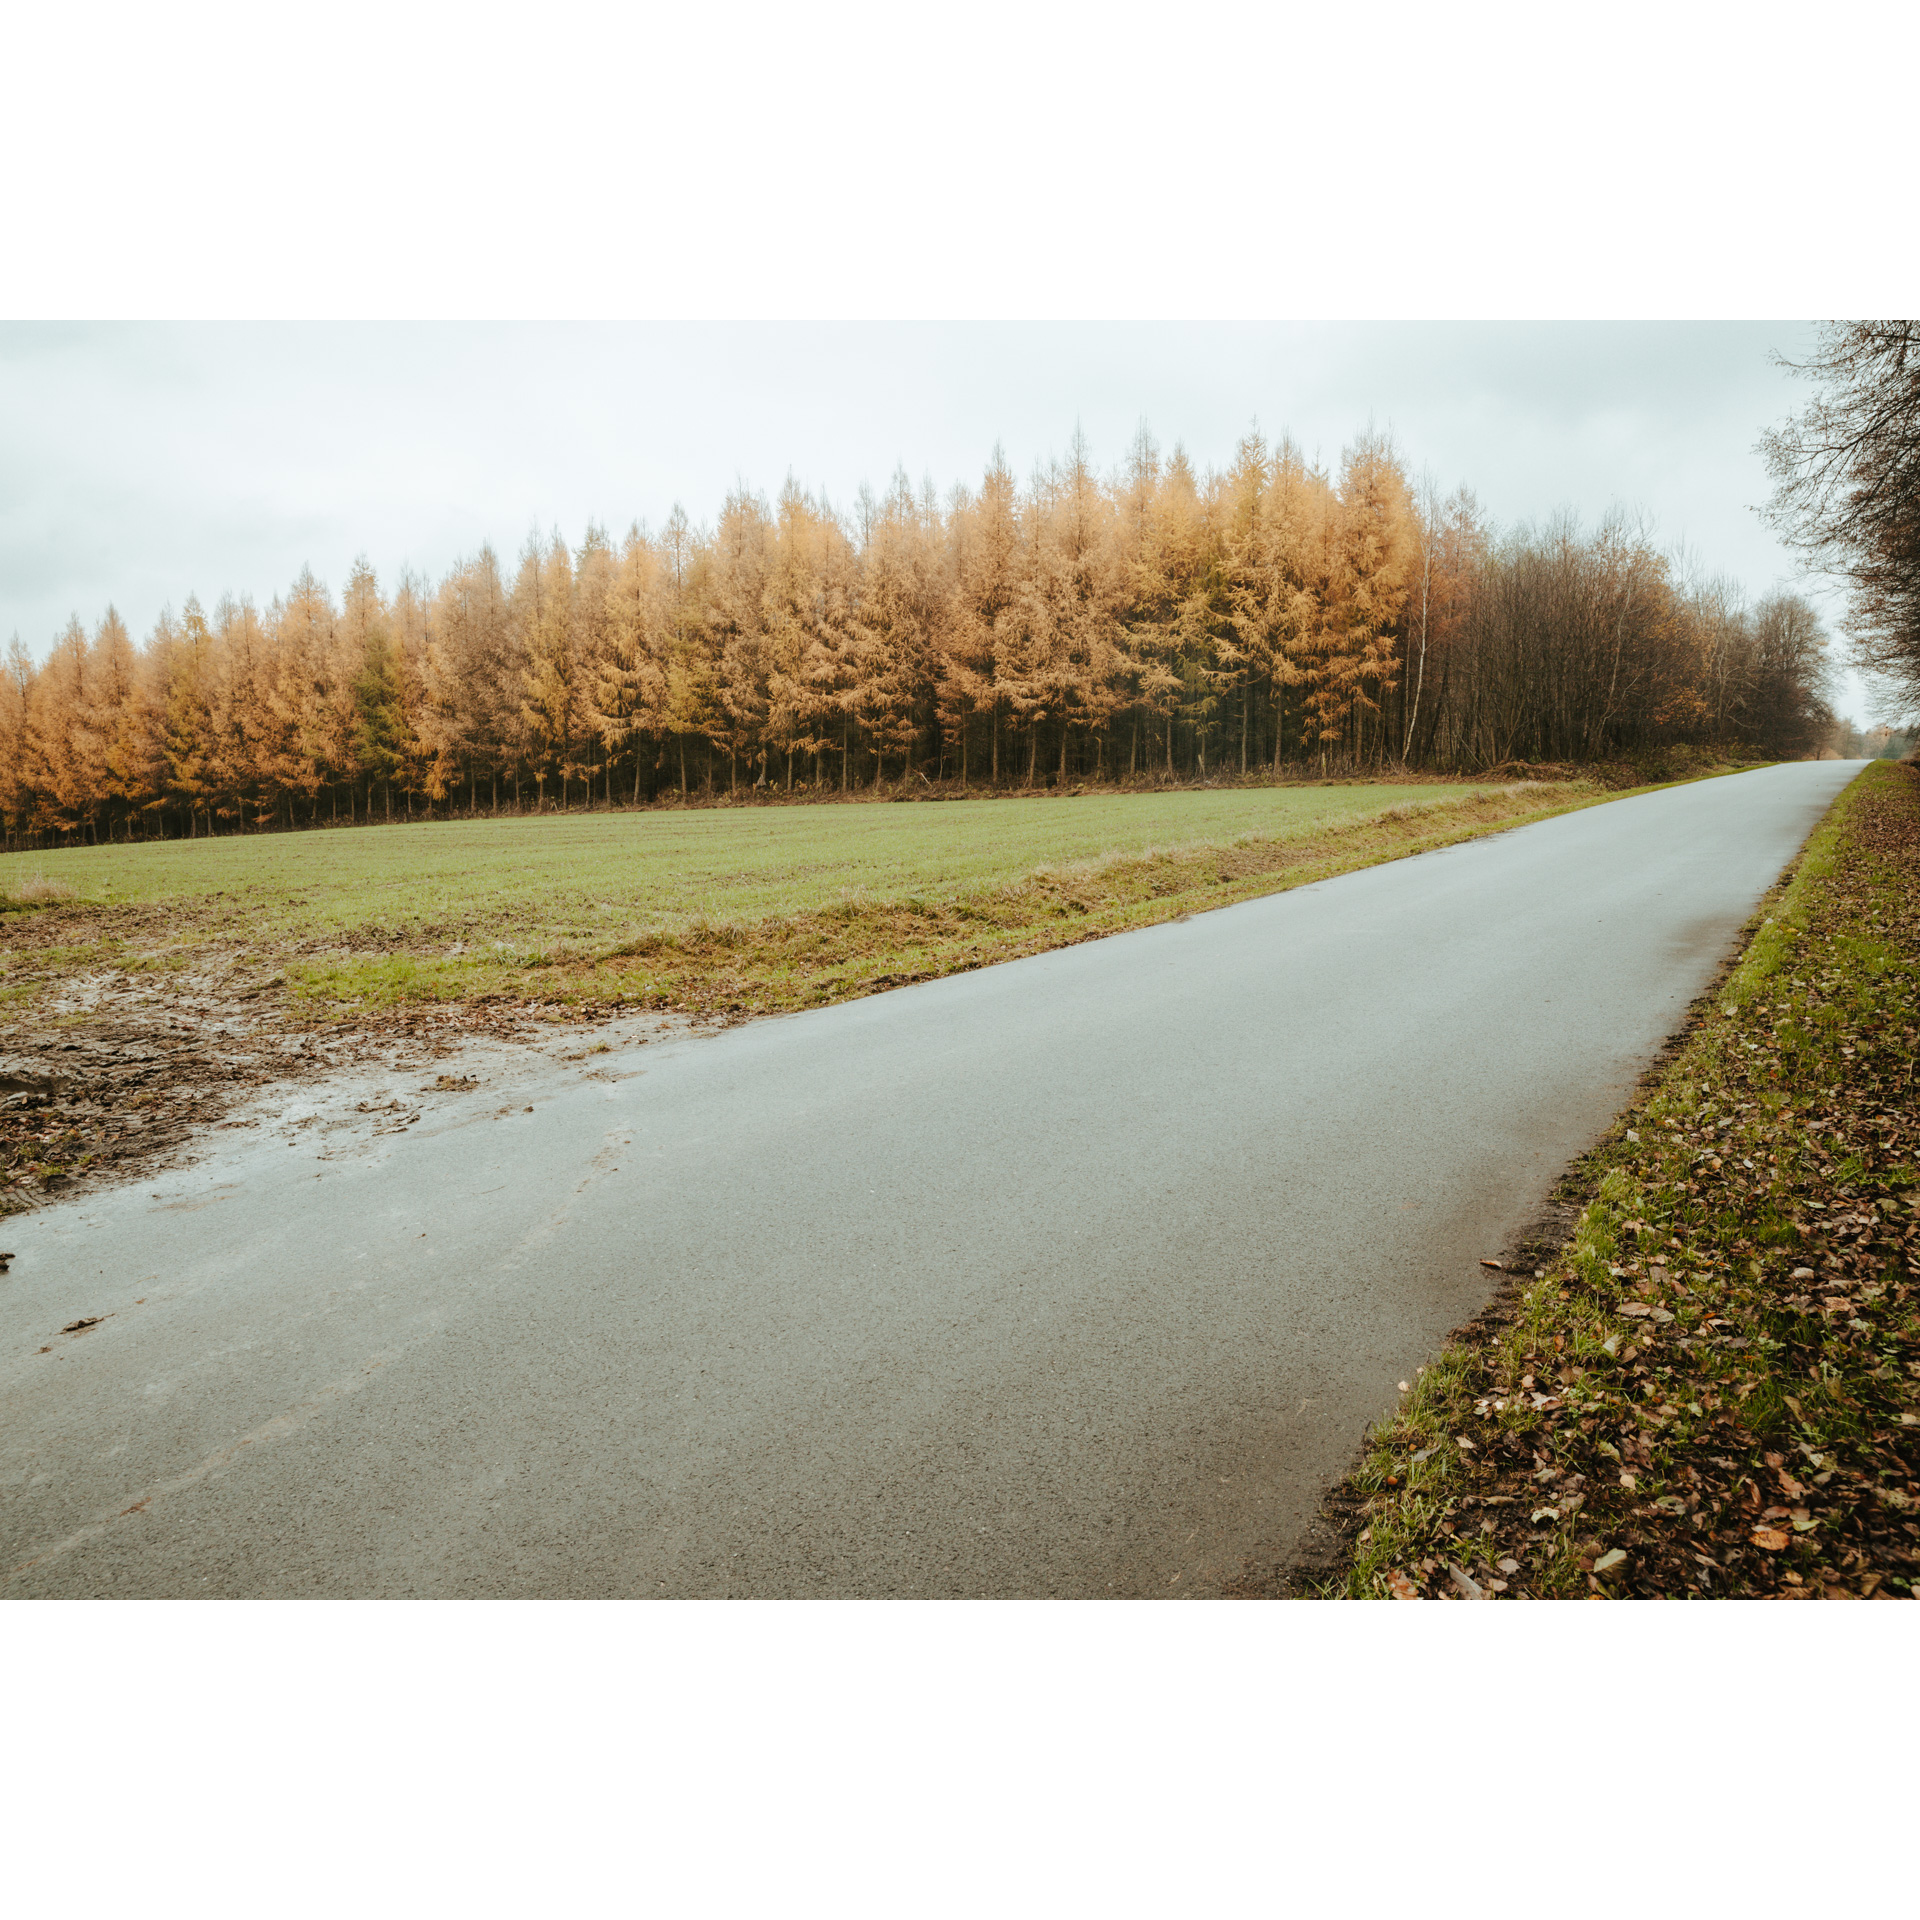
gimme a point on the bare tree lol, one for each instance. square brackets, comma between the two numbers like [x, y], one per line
[1846, 474]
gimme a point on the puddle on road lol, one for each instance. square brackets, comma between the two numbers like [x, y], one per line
[355, 1112]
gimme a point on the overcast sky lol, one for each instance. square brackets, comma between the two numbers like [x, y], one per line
[145, 462]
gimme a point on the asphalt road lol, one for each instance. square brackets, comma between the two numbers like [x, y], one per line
[1081, 1275]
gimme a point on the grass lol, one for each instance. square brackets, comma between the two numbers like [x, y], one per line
[723, 909]
[21, 889]
[580, 876]
[1714, 1387]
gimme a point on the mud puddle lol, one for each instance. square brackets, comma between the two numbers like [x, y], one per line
[355, 1110]
[109, 1083]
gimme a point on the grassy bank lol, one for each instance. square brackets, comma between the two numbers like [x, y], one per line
[144, 989]
[710, 910]
[1714, 1387]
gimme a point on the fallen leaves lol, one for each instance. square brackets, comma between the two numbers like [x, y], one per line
[1718, 1375]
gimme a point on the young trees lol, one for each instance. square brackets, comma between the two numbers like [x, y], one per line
[983, 568]
[183, 665]
[735, 625]
[1369, 544]
[469, 681]
[380, 730]
[1160, 548]
[299, 706]
[592, 646]
[1452, 552]
[17, 675]
[1157, 622]
[1251, 586]
[1082, 563]
[61, 750]
[116, 720]
[895, 626]
[541, 614]
[692, 707]
[630, 685]
[236, 681]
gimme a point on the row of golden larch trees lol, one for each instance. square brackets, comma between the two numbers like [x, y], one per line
[1151, 624]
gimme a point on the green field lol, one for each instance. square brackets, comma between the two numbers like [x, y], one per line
[786, 905]
[589, 877]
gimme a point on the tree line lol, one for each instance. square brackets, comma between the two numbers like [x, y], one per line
[1152, 624]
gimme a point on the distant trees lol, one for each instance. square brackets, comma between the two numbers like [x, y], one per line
[1846, 474]
[1788, 713]
[1156, 623]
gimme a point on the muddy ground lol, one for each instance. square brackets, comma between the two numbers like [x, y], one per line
[114, 1076]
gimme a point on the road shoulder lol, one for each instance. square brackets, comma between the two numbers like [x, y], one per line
[1712, 1386]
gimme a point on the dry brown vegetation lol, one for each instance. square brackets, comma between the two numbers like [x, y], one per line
[859, 945]
[34, 890]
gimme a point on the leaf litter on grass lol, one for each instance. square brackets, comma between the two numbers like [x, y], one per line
[1713, 1387]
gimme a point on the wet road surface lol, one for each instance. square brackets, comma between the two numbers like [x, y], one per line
[1081, 1275]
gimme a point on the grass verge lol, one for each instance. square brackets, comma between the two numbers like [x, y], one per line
[864, 942]
[766, 908]
[181, 974]
[1714, 1387]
